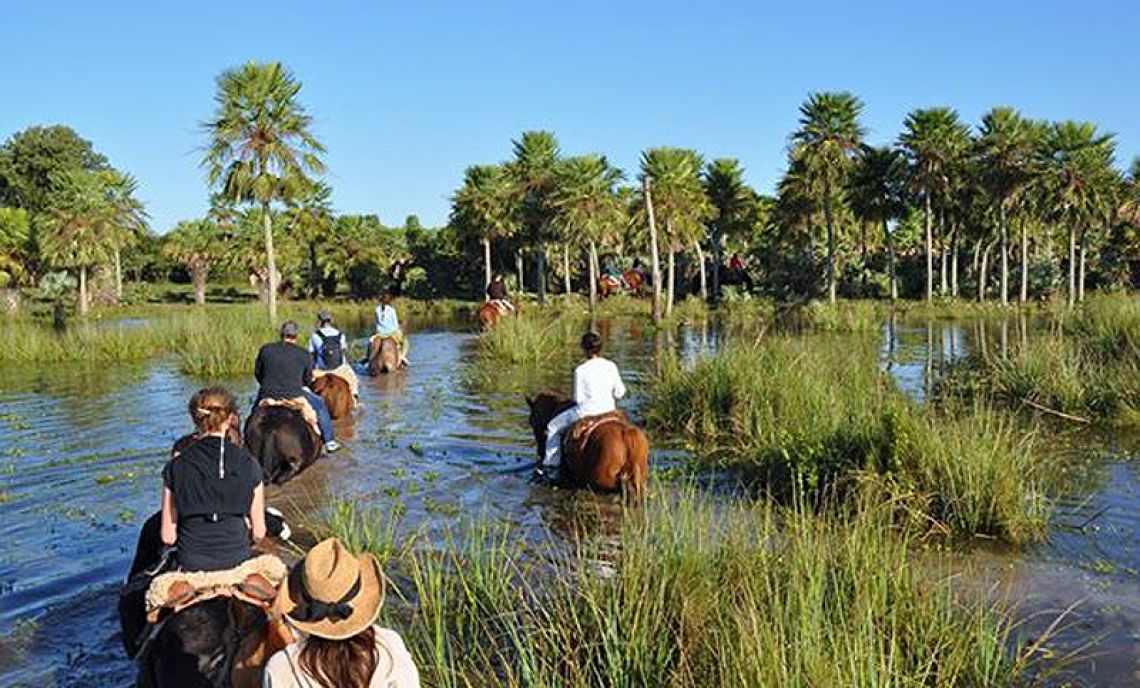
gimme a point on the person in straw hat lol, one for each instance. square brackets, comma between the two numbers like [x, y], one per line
[331, 600]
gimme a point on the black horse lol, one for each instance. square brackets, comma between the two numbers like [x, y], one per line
[282, 441]
[215, 643]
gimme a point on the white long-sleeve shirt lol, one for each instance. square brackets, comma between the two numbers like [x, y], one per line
[597, 384]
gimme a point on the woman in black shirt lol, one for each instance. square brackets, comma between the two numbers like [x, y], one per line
[213, 500]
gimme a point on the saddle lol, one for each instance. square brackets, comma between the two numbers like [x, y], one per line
[344, 372]
[254, 581]
[300, 405]
[574, 441]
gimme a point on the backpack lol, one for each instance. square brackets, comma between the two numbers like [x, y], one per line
[330, 352]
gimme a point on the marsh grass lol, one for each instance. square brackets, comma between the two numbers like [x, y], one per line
[692, 593]
[816, 414]
[531, 337]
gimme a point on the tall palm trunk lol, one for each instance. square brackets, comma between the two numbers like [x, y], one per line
[943, 255]
[646, 186]
[118, 275]
[84, 304]
[315, 276]
[1023, 295]
[984, 274]
[892, 277]
[198, 274]
[671, 287]
[270, 260]
[1081, 275]
[704, 279]
[593, 261]
[929, 247]
[1004, 232]
[487, 261]
[718, 258]
[540, 268]
[566, 269]
[519, 270]
[1072, 266]
[830, 242]
[954, 238]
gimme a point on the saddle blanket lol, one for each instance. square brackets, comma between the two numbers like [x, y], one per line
[299, 404]
[344, 372]
[210, 584]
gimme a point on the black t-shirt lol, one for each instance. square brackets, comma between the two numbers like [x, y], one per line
[212, 504]
[282, 369]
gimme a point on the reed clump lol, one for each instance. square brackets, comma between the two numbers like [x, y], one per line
[816, 414]
[695, 593]
[531, 337]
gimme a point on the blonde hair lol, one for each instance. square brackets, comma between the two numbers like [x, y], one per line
[211, 407]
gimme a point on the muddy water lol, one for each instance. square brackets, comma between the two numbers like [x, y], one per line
[82, 450]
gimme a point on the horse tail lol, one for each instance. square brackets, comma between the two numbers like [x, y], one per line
[635, 473]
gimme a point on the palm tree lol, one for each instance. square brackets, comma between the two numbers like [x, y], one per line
[827, 141]
[679, 202]
[129, 219]
[195, 244]
[1005, 151]
[1079, 179]
[532, 170]
[15, 246]
[934, 141]
[588, 207]
[261, 147]
[734, 204]
[482, 207]
[80, 226]
[876, 196]
[311, 222]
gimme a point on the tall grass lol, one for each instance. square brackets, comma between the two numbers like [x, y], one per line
[531, 337]
[697, 594]
[817, 414]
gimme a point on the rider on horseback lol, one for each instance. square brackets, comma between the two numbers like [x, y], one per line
[388, 327]
[213, 501]
[284, 371]
[498, 295]
[597, 384]
[329, 349]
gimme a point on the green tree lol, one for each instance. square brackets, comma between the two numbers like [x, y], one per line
[829, 138]
[130, 220]
[532, 170]
[261, 148]
[934, 140]
[589, 210]
[877, 197]
[197, 245]
[679, 204]
[483, 208]
[80, 226]
[33, 160]
[310, 221]
[735, 208]
[15, 246]
[1005, 150]
[1079, 183]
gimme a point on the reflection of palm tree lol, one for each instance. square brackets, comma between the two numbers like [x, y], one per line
[261, 148]
[829, 137]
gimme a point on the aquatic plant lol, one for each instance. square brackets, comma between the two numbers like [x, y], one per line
[691, 592]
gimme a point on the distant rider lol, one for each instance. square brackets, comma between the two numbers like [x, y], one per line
[285, 371]
[329, 349]
[597, 386]
[498, 295]
[388, 326]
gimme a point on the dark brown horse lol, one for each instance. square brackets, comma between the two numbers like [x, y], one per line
[337, 394]
[614, 457]
[215, 643]
[383, 355]
[283, 442]
[635, 281]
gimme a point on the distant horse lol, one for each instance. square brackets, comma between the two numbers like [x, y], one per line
[220, 642]
[283, 442]
[615, 455]
[608, 285]
[635, 280]
[337, 394]
[383, 356]
[491, 312]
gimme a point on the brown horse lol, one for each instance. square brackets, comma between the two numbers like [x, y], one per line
[491, 313]
[383, 356]
[635, 280]
[337, 394]
[614, 457]
[608, 285]
[282, 441]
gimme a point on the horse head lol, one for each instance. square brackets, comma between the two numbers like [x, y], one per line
[544, 406]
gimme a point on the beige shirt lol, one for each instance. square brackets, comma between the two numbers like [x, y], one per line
[395, 668]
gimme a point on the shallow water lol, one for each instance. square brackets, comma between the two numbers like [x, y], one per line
[79, 472]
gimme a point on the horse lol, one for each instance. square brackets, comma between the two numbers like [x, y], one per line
[383, 356]
[608, 285]
[283, 442]
[217, 642]
[615, 456]
[635, 280]
[337, 394]
[491, 312]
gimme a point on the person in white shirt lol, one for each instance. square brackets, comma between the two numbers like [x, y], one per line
[597, 386]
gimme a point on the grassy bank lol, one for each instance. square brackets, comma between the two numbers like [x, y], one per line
[695, 595]
[816, 414]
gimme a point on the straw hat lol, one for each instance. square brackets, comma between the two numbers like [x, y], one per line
[332, 593]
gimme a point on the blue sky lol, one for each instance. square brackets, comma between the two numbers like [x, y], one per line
[405, 95]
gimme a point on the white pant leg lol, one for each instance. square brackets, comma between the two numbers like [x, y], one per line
[554, 430]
